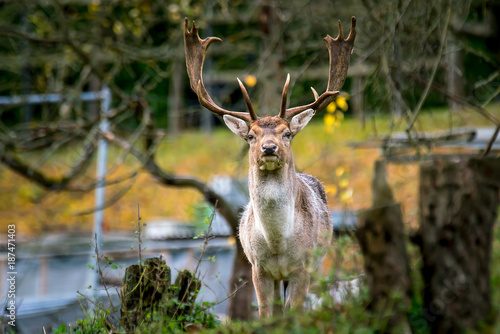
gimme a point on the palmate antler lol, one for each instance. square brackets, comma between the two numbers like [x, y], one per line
[339, 49]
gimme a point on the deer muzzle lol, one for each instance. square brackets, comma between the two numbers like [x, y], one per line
[269, 159]
[269, 149]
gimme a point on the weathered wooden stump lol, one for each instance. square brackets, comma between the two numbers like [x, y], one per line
[459, 203]
[382, 240]
[143, 289]
[147, 289]
[185, 290]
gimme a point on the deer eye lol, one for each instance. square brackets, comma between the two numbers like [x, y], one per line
[288, 135]
[250, 137]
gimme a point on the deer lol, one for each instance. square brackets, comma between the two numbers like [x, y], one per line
[286, 228]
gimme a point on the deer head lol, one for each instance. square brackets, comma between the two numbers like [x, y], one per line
[269, 137]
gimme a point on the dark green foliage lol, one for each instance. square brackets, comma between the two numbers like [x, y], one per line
[99, 323]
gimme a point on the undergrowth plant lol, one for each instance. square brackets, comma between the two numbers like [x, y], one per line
[149, 302]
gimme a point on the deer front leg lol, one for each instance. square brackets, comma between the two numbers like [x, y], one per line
[264, 287]
[297, 289]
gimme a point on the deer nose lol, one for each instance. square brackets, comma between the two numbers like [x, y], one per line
[269, 148]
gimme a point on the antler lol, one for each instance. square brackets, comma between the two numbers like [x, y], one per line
[340, 51]
[195, 49]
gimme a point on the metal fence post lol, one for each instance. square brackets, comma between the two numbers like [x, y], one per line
[102, 159]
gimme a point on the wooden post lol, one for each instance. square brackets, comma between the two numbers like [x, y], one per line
[144, 288]
[382, 240]
[147, 289]
[458, 203]
[44, 275]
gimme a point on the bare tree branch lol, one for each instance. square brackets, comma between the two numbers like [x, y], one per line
[229, 212]
[9, 31]
[20, 167]
[109, 202]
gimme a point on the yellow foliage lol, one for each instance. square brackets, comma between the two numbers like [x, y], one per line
[331, 189]
[329, 119]
[331, 107]
[231, 240]
[346, 196]
[334, 115]
[341, 102]
[92, 8]
[250, 80]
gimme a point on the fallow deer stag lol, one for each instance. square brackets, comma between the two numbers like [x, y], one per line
[287, 217]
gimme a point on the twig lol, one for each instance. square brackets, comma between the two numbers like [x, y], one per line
[146, 121]
[426, 91]
[488, 100]
[483, 112]
[23, 169]
[230, 295]
[139, 233]
[104, 183]
[10, 32]
[98, 262]
[212, 197]
[382, 39]
[86, 58]
[206, 238]
[86, 314]
[492, 141]
[119, 194]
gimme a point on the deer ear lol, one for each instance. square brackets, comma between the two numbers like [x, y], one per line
[238, 126]
[299, 121]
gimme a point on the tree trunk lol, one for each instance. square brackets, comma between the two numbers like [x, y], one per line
[358, 98]
[175, 97]
[455, 82]
[382, 240]
[240, 306]
[271, 59]
[458, 208]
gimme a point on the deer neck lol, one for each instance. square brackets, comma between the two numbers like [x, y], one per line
[272, 197]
